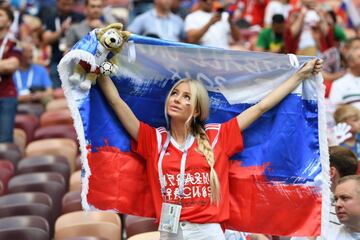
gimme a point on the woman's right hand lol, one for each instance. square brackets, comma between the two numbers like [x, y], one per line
[312, 67]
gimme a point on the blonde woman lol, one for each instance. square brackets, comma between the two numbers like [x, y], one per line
[187, 163]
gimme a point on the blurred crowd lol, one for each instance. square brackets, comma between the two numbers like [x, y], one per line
[35, 34]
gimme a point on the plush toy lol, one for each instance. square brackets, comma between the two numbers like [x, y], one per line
[110, 41]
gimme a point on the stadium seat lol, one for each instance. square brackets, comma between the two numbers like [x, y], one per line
[6, 172]
[75, 181]
[24, 228]
[146, 236]
[27, 203]
[46, 163]
[136, 225]
[56, 146]
[11, 152]
[55, 158]
[56, 131]
[84, 238]
[58, 117]
[50, 183]
[28, 123]
[71, 202]
[2, 188]
[98, 224]
[78, 163]
[20, 139]
[57, 104]
[58, 93]
[31, 108]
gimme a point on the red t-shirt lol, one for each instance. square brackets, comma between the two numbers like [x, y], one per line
[7, 86]
[226, 139]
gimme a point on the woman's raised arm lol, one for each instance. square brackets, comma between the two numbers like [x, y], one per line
[248, 116]
[121, 109]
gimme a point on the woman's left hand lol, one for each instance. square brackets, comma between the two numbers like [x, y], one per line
[312, 67]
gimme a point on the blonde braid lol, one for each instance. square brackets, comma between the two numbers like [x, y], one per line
[205, 148]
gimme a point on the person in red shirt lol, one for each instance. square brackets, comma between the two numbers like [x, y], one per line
[9, 63]
[188, 164]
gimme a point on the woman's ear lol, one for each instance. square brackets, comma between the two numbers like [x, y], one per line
[196, 113]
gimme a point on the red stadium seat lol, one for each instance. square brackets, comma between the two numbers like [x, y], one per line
[78, 163]
[29, 203]
[56, 131]
[46, 163]
[28, 123]
[6, 172]
[24, 228]
[71, 202]
[2, 188]
[50, 183]
[136, 225]
[58, 117]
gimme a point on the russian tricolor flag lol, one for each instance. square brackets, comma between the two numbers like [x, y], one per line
[279, 183]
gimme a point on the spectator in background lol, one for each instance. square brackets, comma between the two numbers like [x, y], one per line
[351, 116]
[276, 7]
[210, 28]
[26, 6]
[4, 3]
[31, 31]
[93, 11]
[178, 9]
[347, 198]
[307, 31]
[159, 21]
[32, 80]
[271, 39]
[108, 14]
[339, 33]
[343, 162]
[9, 63]
[138, 7]
[333, 64]
[350, 44]
[48, 3]
[57, 21]
[346, 90]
